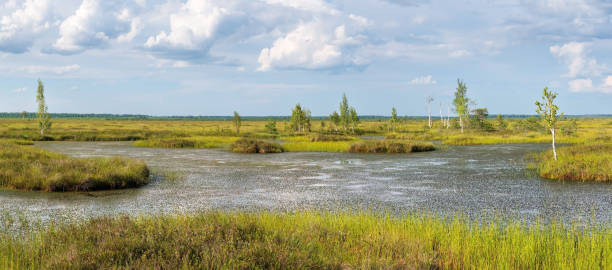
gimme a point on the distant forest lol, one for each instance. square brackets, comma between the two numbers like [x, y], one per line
[228, 118]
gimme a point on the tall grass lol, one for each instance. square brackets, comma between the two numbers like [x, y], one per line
[29, 168]
[305, 240]
[188, 142]
[592, 162]
[310, 146]
[391, 146]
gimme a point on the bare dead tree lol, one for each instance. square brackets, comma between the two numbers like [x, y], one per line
[429, 99]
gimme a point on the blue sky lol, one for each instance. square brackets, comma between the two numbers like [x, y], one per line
[261, 57]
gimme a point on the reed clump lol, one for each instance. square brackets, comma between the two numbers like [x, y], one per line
[590, 162]
[29, 168]
[391, 146]
[305, 240]
[330, 138]
[188, 142]
[252, 146]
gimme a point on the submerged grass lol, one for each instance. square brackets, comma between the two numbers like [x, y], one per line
[592, 162]
[305, 240]
[29, 168]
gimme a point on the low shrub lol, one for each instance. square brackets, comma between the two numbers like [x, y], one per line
[253, 146]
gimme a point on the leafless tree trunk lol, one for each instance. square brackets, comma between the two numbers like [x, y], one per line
[448, 116]
[552, 130]
[429, 100]
[441, 118]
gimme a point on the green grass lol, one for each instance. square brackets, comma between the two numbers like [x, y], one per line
[188, 142]
[591, 162]
[29, 168]
[391, 146]
[305, 240]
[212, 134]
[309, 146]
[533, 137]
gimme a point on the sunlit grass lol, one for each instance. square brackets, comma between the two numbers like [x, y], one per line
[189, 142]
[305, 240]
[591, 162]
[30, 168]
[309, 146]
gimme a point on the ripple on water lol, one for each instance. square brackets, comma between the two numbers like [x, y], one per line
[473, 180]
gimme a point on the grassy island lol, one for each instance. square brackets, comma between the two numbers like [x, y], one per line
[305, 240]
[29, 168]
[591, 162]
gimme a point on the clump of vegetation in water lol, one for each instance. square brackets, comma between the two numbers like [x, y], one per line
[390, 146]
[246, 145]
[305, 240]
[29, 168]
[188, 142]
[330, 138]
[578, 162]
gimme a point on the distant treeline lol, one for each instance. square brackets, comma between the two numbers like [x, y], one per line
[256, 118]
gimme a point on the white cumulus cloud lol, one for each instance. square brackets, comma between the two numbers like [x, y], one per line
[18, 30]
[93, 25]
[578, 63]
[194, 29]
[424, 80]
[314, 45]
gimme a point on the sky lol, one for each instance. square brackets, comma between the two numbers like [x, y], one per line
[261, 57]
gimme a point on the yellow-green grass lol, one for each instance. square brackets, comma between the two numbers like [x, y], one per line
[309, 146]
[391, 146]
[189, 142]
[305, 240]
[588, 129]
[30, 168]
[591, 162]
[477, 139]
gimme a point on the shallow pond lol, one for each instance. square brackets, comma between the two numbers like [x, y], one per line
[473, 180]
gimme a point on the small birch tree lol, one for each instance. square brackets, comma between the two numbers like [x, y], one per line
[44, 119]
[237, 122]
[344, 109]
[354, 119]
[547, 110]
[461, 102]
